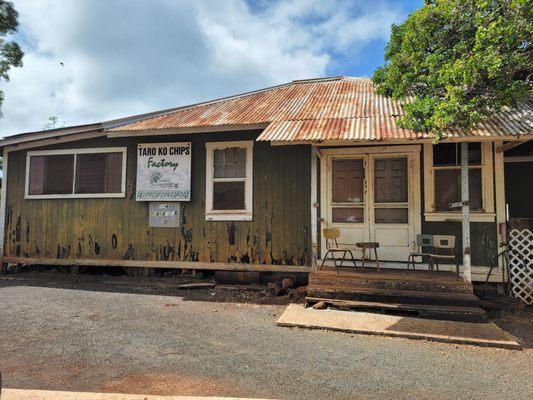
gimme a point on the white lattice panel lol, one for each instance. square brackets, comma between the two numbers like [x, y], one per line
[521, 264]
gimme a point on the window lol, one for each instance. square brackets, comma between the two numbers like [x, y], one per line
[76, 173]
[447, 170]
[442, 168]
[229, 181]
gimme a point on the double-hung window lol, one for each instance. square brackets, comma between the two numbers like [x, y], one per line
[443, 180]
[76, 173]
[229, 181]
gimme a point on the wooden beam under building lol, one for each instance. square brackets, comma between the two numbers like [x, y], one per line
[212, 266]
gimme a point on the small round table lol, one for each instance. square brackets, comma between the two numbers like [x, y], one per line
[368, 246]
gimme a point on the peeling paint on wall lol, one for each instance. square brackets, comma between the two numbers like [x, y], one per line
[118, 228]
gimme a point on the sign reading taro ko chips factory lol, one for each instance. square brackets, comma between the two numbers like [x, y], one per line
[164, 171]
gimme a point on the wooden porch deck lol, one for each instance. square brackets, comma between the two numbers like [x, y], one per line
[423, 293]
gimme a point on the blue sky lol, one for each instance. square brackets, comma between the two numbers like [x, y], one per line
[94, 60]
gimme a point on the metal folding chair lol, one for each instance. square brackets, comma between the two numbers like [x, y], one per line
[332, 247]
[421, 242]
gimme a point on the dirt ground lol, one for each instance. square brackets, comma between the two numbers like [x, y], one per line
[120, 334]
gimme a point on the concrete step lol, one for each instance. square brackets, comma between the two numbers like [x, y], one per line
[342, 292]
[451, 313]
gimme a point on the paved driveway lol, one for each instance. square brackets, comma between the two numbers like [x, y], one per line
[90, 340]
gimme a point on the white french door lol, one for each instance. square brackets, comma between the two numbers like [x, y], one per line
[373, 194]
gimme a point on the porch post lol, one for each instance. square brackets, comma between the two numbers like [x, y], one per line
[467, 274]
[3, 201]
[314, 207]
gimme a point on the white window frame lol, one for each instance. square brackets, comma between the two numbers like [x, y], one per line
[75, 152]
[229, 215]
[486, 214]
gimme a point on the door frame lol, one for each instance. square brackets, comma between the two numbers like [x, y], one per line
[414, 190]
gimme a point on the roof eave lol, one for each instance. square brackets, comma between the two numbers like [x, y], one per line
[27, 137]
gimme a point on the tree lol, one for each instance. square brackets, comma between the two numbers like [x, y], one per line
[53, 123]
[460, 61]
[10, 52]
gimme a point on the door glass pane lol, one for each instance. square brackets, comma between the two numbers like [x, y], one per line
[448, 188]
[391, 215]
[351, 215]
[390, 180]
[348, 181]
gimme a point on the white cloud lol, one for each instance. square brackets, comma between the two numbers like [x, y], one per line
[124, 57]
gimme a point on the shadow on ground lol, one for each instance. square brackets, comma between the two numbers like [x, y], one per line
[517, 323]
[161, 286]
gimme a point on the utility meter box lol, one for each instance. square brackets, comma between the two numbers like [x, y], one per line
[164, 214]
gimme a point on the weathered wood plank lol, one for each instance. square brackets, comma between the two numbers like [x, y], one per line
[280, 208]
[454, 313]
[214, 266]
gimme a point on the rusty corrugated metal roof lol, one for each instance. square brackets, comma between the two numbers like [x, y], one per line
[341, 108]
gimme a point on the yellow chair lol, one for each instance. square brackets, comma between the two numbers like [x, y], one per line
[332, 247]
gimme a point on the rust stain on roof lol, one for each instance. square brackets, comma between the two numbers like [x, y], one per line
[341, 108]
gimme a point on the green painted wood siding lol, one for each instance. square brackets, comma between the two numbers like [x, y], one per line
[118, 228]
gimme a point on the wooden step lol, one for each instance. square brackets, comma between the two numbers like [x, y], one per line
[391, 274]
[452, 313]
[391, 283]
[393, 296]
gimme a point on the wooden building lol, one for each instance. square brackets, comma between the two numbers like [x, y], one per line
[267, 170]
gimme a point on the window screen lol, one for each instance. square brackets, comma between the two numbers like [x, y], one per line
[448, 188]
[99, 173]
[51, 174]
[348, 179]
[390, 180]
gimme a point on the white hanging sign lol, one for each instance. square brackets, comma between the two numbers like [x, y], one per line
[163, 171]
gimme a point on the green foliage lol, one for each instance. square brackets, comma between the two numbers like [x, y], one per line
[460, 61]
[10, 52]
[53, 123]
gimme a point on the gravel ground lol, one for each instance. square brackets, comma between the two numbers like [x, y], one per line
[114, 335]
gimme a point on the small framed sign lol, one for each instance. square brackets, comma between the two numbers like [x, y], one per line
[457, 204]
[164, 215]
[163, 172]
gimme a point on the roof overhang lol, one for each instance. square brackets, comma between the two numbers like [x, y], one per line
[51, 134]
[366, 142]
[326, 111]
